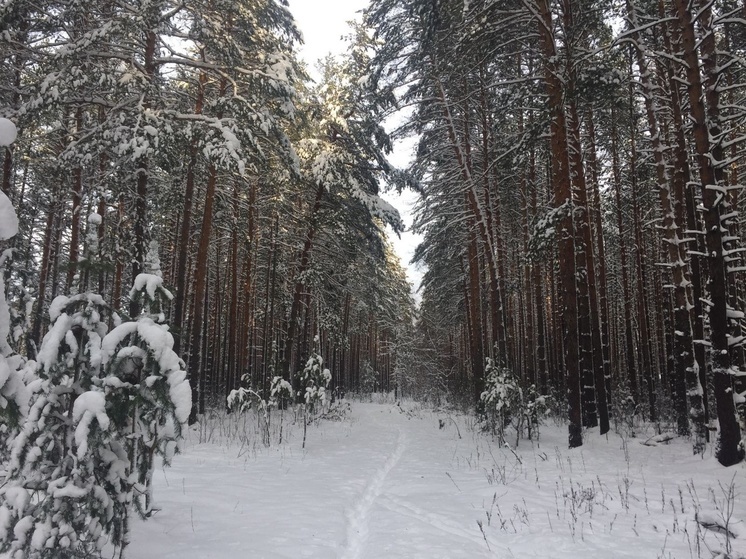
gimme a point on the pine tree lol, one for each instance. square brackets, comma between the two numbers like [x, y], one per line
[14, 394]
[67, 484]
[103, 405]
[313, 381]
[145, 382]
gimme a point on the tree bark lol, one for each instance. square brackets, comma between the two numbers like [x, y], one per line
[729, 451]
[564, 203]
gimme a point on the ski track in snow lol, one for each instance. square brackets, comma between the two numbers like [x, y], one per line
[357, 517]
[437, 521]
[376, 487]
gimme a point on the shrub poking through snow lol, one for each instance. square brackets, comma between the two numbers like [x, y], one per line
[244, 399]
[102, 405]
[280, 391]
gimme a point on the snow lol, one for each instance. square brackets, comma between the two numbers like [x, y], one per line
[87, 407]
[8, 218]
[181, 395]
[8, 132]
[56, 307]
[42, 531]
[151, 283]
[50, 347]
[12, 386]
[4, 522]
[387, 482]
[21, 529]
[160, 344]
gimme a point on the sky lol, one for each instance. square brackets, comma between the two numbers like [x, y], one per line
[323, 24]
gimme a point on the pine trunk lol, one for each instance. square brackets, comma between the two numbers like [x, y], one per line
[564, 204]
[729, 450]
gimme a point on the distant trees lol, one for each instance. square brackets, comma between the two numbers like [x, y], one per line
[193, 125]
[548, 136]
[581, 178]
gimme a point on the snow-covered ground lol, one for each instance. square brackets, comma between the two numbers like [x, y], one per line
[387, 482]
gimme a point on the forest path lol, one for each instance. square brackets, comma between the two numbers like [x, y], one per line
[387, 482]
[358, 517]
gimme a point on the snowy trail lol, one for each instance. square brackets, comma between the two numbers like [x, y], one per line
[357, 518]
[372, 486]
[388, 483]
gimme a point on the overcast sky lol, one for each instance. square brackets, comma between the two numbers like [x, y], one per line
[323, 24]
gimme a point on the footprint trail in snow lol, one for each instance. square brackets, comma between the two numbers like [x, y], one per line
[357, 517]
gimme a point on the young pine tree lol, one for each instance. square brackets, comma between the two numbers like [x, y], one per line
[102, 406]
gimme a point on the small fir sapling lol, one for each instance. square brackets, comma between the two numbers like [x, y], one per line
[313, 381]
[506, 402]
[66, 489]
[145, 381]
[536, 408]
[368, 377]
[501, 396]
[102, 406]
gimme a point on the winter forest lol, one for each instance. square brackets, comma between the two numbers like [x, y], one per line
[197, 271]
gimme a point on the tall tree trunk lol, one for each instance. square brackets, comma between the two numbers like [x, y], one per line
[141, 193]
[564, 204]
[672, 212]
[186, 225]
[77, 191]
[233, 327]
[697, 381]
[629, 343]
[729, 451]
[602, 303]
[303, 267]
[495, 295]
[643, 310]
[195, 371]
[473, 203]
[476, 348]
[46, 266]
[116, 292]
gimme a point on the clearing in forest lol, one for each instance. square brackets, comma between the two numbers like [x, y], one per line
[387, 482]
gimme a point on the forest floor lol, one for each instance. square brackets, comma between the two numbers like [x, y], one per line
[388, 482]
